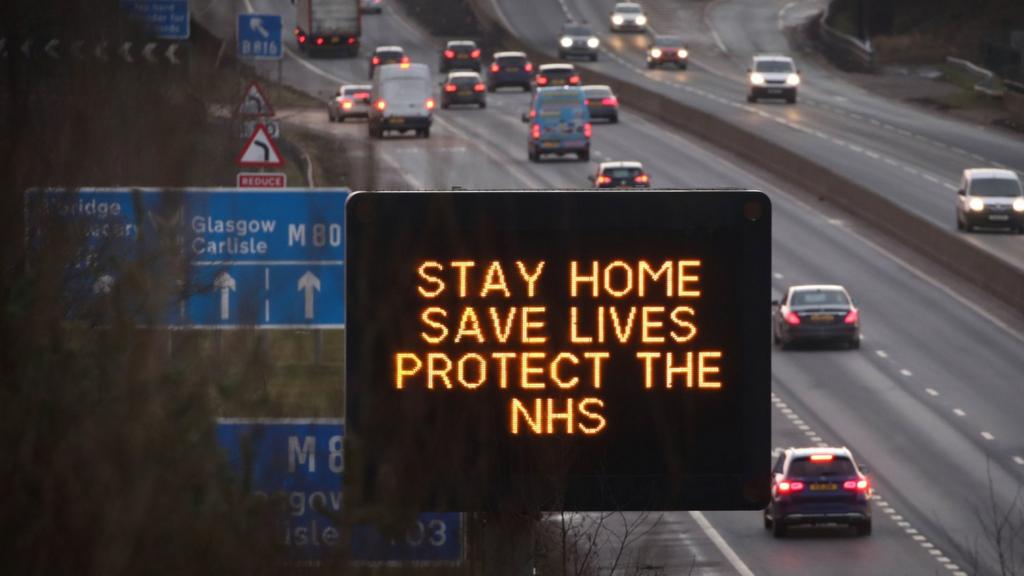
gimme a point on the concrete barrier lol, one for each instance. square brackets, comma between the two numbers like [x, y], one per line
[846, 51]
[942, 245]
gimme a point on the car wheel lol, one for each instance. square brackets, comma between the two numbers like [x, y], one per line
[855, 343]
[785, 344]
[959, 223]
[534, 157]
[341, 118]
[614, 119]
[775, 338]
[791, 99]
[864, 528]
[682, 66]
[778, 529]
[767, 522]
[483, 104]
[425, 132]
[593, 57]
[584, 156]
[491, 88]
[751, 98]
[444, 105]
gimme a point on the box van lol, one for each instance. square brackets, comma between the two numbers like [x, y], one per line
[559, 123]
[402, 100]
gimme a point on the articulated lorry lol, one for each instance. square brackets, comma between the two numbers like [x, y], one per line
[328, 26]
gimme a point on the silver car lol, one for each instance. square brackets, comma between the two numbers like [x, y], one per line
[351, 100]
[627, 17]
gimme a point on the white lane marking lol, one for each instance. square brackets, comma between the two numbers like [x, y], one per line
[959, 412]
[707, 22]
[778, 276]
[931, 391]
[781, 21]
[906, 372]
[882, 353]
[987, 436]
[721, 544]
[1018, 460]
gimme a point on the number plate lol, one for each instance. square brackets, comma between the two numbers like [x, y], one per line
[396, 120]
[822, 317]
[824, 487]
[465, 93]
[512, 69]
[999, 217]
[335, 40]
[549, 145]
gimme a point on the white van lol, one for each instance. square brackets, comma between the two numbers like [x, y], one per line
[402, 100]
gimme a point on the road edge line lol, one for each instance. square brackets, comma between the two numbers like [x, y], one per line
[721, 544]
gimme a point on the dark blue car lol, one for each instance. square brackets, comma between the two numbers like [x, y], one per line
[510, 69]
[812, 486]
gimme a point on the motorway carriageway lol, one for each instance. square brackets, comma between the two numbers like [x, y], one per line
[930, 403]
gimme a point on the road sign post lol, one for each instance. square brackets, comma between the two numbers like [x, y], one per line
[259, 37]
[302, 461]
[256, 258]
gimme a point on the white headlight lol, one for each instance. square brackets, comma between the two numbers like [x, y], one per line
[792, 80]
[1018, 205]
[655, 52]
[756, 79]
[593, 42]
[683, 53]
[976, 204]
[641, 20]
[617, 20]
[566, 42]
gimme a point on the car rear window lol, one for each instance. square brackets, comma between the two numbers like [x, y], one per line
[622, 172]
[402, 89]
[511, 60]
[558, 72]
[559, 101]
[352, 91]
[465, 80]
[819, 298]
[390, 55]
[773, 66]
[597, 92]
[995, 187]
[838, 466]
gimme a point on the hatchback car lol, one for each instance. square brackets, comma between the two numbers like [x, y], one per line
[510, 69]
[387, 55]
[990, 197]
[773, 76]
[621, 175]
[667, 50]
[559, 123]
[460, 55]
[351, 101]
[578, 40]
[550, 75]
[816, 313]
[463, 87]
[627, 17]
[602, 102]
[813, 486]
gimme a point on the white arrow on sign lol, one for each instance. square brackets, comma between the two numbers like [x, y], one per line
[309, 282]
[26, 48]
[126, 52]
[226, 284]
[51, 49]
[147, 52]
[101, 51]
[256, 25]
[171, 54]
[103, 284]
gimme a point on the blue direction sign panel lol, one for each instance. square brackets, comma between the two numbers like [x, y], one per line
[256, 258]
[300, 462]
[165, 18]
[259, 37]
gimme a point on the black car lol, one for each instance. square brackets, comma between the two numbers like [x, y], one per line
[387, 55]
[815, 486]
[601, 102]
[816, 313]
[510, 69]
[667, 50]
[460, 55]
[463, 88]
[578, 40]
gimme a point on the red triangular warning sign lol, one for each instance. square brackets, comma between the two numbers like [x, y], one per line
[255, 102]
[260, 151]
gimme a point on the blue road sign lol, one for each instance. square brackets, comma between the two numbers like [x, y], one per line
[301, 462]
[256, 258]
[166, 18]
[259, 37]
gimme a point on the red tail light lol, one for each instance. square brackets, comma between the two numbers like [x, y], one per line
[642, 179]
[528, 67]
[375, 60]
[792, 319]
[542, 80]
[302, 38]
[449, 54]
[319, 41]
[787, 486]
[429, 104]
[574, 79]
[851, 317]
[533, 113]
[449, 87]
[588, 130]
[380, 105]
[495, 68]
[610, 101]
[351, 39]
[479, 87]
[475, 53]
[861, 485]
[602, 179]
[405, 59]
[586, 101]
[535, 131]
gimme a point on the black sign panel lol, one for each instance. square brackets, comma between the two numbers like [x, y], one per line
[558, 350]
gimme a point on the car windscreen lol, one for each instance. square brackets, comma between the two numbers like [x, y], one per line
[836, 467]
[619, 173]
[810, 298]
[995, 187]
[627, 9]
[773, 66]
[577, 31]
[404, 89]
